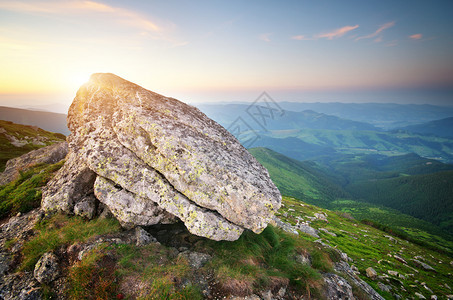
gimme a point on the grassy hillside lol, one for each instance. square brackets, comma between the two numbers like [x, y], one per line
[16, 139]
[250, 265]
[428, 197]
[323, 187]
[370, 247]
[304, 180]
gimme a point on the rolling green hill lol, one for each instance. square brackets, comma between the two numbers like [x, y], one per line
[303, 180]
[428, 196]
[352, 180]
[369, 142]
[442, 127]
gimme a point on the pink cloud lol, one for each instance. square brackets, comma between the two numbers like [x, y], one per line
[377, 32]
[298, 37]
[416, 36]
[336, 33]
[73, 7]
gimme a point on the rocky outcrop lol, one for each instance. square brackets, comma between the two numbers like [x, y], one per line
[156, 158]
[337, 287]
[345, 270]
[47, 268]
[47, 155]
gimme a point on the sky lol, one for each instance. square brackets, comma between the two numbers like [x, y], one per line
[211, 51]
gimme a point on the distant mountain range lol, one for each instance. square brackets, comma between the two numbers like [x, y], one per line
[308, 134]
[384, 115]
[442, 128]
[49, 121]
[225, 115]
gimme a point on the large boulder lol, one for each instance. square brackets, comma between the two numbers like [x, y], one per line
[156, 158]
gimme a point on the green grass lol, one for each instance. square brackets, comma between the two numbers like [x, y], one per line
[24, 194]
[414, 228]
[376, 180]
[255, 263]
[63, 230]
[93, 277]
[303, 180]
[20, 132]
[158, 270]
[371, 247]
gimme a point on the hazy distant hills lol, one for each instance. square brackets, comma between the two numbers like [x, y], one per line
[383, 115]
[309, 134]
[442, 127]
[49, 121]
[281, 120]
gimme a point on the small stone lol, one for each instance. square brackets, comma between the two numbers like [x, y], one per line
[321, 216]
[427, 288]
[86, 208]
[420, 296]
[393, 273]
[433, 297]
[423, 265]
[337, 287]
[303, 259]
[46, 269]
[371, 273]
[309, 230]
[5, 262]
[142, 237]
[400, 259]
[328, 232]
[384, 287]
[281, 292]
[267, 295]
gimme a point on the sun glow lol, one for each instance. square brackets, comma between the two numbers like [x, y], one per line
[78, 79]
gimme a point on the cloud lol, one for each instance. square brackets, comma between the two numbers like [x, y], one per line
[377, 32]
[336, 33]
[265, 37]
[76, 7]
[299, 38]
[416, 36]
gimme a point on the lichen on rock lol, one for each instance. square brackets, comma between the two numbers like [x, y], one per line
[156, 158]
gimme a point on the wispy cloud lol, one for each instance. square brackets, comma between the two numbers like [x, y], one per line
[300, 38]
[265, 37]
[124, 16]
[416, 36]
[336, 33]
[377, 32]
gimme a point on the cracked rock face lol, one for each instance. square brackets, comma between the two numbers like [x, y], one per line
[157, 158]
